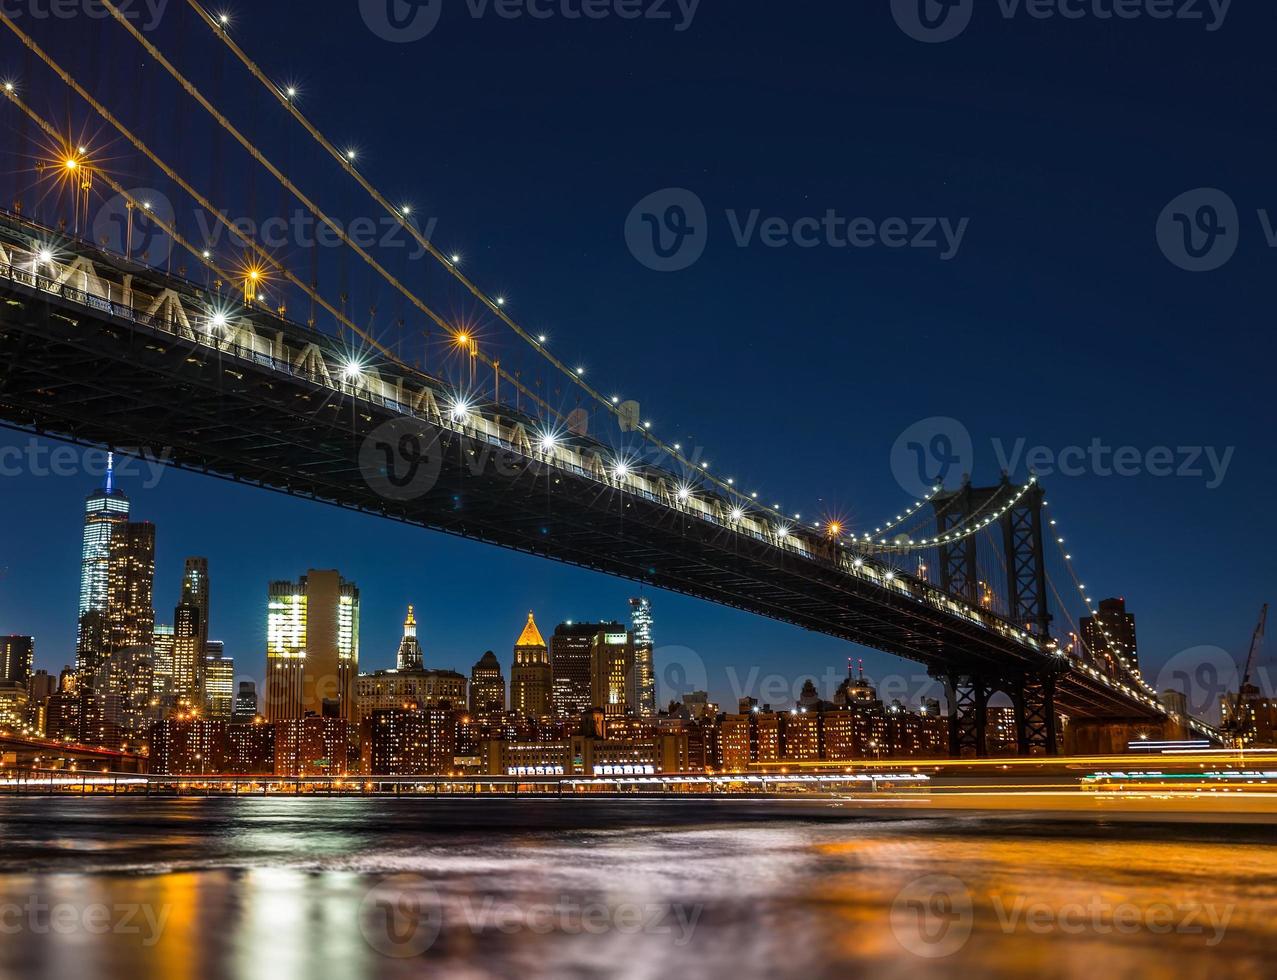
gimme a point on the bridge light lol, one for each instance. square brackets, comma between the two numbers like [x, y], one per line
[616, 399]
[456, 259]
[352, 371]
[500, 301]
[542, 338]
[549, 441]
[737, 514]
[580, 370]
[621, 471]
[835, 528]
[350, 155]
[224, 19]
[684, 493]
[45, 255]
[406, 209]
[291, 92]
[8, 86]
[219, 320]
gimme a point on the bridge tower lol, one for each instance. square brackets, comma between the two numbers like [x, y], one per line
[968, 687]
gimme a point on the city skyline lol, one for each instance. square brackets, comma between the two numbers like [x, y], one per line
[726, 678]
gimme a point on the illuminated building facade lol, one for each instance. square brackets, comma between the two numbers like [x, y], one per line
[312, 646]
[409, 656]
[244, 710]
[104, 510]
[252, 749]
[127, 675]
[188, 745]
[219, 680]
[644, 668]
[1120, 643]
[162, 686]
[411, 742]
[190, 633]
[530, 678]
[17, 659]
[571, 668]
[612, 669]
[487, 686]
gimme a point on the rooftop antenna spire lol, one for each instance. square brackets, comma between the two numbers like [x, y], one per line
[110, 472]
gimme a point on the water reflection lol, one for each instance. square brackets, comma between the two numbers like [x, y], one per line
[367, 888]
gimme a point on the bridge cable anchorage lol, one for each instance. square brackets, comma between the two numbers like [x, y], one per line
[494, 305]
[288, 185]
[173, 175]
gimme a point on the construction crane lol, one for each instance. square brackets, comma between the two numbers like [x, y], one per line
[1236, 724]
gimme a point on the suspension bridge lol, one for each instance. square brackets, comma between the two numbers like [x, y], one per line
[100, 347]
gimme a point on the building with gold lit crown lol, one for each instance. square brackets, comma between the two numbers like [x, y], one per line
[530, 679]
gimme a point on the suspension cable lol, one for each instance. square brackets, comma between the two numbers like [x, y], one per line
[493, 305]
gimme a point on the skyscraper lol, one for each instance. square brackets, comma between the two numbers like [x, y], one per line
[104, 510]
[530, 676]
[1120, 643]
[410, 657]
[571, 660]
[190, 632]
[162, 682]
[245, 708]
[312, 646]
[17, 659]
[127, 676]
[612, 670]
[487, 686]
[219, 680]
[644, 669]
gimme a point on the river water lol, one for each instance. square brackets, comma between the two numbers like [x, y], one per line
[271, 888]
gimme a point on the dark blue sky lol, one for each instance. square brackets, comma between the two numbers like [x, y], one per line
[1059, 321]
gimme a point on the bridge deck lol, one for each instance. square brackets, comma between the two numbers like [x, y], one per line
[82, 367]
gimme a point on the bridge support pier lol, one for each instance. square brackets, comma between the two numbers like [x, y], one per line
[1032, 694]
[1036, 726]
[968, 697]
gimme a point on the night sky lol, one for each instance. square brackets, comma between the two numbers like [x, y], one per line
[1059, 321]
